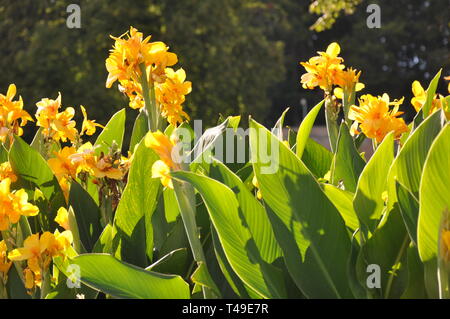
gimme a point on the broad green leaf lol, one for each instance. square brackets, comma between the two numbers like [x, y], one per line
[140, 128]
[202, 277]
[409, 208]
[87, 215]
[119, 279]
[305, 128]
[434, 194]
[3, 154]
[235, 237]
[317, 158]
[277, 130]
[31, 166]
[408, 165]
[308, 228]
[172, 263]
[343, 201]
[347, 163]
[113, 132]
[253, 212]
[387, 248]
[104, 243]
[134, 212]
[416, 284]
[431, 91]
[372, 183]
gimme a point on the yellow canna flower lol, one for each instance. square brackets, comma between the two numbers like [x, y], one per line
[13, 205]
[420, 97]
[10, 114]
[129, 53]
[5, 264]
[62, 165]
[38, 251]
[161, 170]
[6, 171]
[164, 147]
[57, 125]
[347, 81]
[376, 119]
[62, 218]
[89, 126]
[323, 70]
[447, 78]
[171, 94]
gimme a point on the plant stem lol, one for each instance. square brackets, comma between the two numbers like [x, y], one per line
[148, 93]
[331, 116]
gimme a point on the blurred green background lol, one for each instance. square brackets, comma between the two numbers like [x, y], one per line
[241, 55]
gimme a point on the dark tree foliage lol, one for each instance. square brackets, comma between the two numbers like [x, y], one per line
[241, 55]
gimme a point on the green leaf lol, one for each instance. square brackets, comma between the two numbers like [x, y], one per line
[113, 132]
[408, 165]
[104, 243]
[172, 263]
[87, 215]
[254, 214]
[416, 284]
[431, 91]
[317, 158]
[119, 279]
[31, 166]
[434, 194]
[409, 208]
[235, 237]
[202, 277]
[140, 128]
[305, 128]
[134, 212]
[368, 201]
[387, 248]
[343, 201]
[277, 130]
[3, 154]
[309, 229]
[347, 164]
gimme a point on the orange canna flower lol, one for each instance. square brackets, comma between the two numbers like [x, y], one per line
[5, 264]
[88, 126]
[376, 119]
[6, 171]
[10, 114]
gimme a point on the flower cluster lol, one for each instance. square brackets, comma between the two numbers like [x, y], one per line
[5, 264]
[38, 251]
[420, 97]
[13, 204]
[323, 70]
[12, 115]
[60, 125]
[375, 117]
[130, 57]
[164, 147]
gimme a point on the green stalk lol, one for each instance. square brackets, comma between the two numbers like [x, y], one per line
[149, 100]
[331, 116]
[45, 286]
[185, 195]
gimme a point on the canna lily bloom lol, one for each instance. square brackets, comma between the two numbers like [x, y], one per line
[348, 81]
[62, 165]
[129, 53]
[134, 92]
[447, 78]
[376, 119]
[89, 126]
[57, 125]
[420, 97]
[4, 263]
[161, 170]
[323, 70]
[171, 94]
[6, 171]
[13, 205]
[10, 114]
[62, 218]
[164, 147]
[38, 251]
